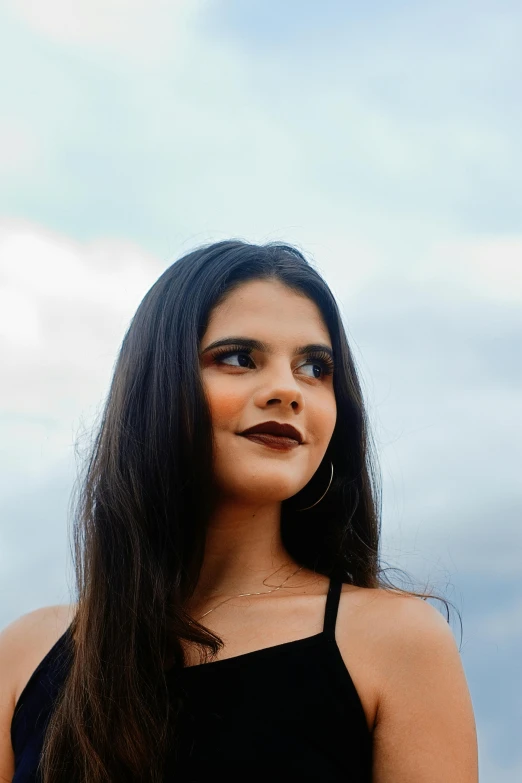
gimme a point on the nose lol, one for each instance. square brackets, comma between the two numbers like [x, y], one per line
[282, 389]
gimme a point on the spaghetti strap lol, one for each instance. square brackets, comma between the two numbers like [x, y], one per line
[332, 605]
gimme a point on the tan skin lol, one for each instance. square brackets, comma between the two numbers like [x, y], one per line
[399, 650]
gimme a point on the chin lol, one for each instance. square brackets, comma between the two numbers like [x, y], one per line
[272, 488]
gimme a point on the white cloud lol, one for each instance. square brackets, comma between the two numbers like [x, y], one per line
[45, 264]
[487, 267]
[65, 308]
[19, 148]
[138, 29]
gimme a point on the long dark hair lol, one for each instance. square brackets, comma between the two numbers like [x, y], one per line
[142, 510]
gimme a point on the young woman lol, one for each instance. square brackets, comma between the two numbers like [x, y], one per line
[232, 619]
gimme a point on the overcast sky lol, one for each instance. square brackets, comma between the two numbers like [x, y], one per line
[382, 138]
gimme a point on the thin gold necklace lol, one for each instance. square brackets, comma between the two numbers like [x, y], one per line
[241, 595]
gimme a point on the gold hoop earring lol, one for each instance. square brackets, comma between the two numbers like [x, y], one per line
[324, 493]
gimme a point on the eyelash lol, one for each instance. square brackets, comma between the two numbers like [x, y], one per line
[321, 357]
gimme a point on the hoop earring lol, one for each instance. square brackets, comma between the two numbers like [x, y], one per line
[324, 493]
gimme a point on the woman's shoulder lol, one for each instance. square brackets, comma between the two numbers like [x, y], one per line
[384, 623]
[375, 628]
[405, 654]
[393, 604]
[26, 641]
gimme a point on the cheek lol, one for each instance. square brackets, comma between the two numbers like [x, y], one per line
[324, 418]
[224, 405]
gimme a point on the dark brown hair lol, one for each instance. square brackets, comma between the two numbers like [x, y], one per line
[143, 505]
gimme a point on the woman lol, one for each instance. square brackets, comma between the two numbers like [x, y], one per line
[232, 618]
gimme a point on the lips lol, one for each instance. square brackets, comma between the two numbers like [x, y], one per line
[274, 433]
[278, 442]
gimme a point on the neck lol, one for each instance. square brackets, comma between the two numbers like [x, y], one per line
[243, 549]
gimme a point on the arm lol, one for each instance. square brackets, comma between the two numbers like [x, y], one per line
[425, 729]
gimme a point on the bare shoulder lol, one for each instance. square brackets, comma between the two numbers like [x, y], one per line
[397, 613]
[23, 644]
[405, 655]
[27, 640]
[372, 626]
[390, 621]
[400, 629]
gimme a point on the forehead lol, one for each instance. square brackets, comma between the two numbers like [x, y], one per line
[270, 307]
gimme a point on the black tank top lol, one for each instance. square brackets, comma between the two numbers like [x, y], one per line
[283, 713]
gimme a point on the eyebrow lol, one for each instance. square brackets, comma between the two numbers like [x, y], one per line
[257, 345]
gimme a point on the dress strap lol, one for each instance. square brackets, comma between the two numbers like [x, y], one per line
[332, 605]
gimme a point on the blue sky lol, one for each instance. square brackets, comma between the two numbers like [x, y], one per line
[381, 138]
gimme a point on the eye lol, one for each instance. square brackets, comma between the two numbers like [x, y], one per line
[317, 369]
[229, 356]
[321, 366]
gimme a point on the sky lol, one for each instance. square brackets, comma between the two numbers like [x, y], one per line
[382, 139]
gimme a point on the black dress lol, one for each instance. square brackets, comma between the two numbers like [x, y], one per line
[288, 712]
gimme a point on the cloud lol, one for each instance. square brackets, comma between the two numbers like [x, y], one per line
[140, 31]
[19, 149]
[485, 267]
[371, 137]
[66, 305]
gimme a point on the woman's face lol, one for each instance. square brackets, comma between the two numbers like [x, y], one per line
[284, 377]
